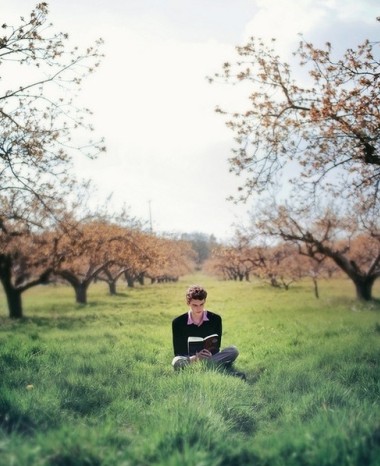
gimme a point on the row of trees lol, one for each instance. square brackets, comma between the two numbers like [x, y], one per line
[320, 139]
[81, 252]
[41, 201]
[326, 135]
[329, 251]
[279, 266]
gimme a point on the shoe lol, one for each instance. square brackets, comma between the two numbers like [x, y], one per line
[180, 362]
[231, 371]
[238, 374]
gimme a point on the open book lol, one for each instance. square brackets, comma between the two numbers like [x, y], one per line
[196, 344]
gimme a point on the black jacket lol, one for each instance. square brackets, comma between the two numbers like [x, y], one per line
[181, 331]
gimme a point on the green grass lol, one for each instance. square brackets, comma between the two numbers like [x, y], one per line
[93, 385]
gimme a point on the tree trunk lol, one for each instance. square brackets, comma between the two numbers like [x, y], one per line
[316, 291]
[363, 282]
[81, 293]
[140, 279]
[274, 282]
[364, 288]
[13, 294]
[130, 281]
[112, 287]
[14, 303]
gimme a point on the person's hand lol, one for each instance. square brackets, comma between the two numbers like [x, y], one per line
[204, 354]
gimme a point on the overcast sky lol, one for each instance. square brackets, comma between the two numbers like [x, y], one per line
[167, 149]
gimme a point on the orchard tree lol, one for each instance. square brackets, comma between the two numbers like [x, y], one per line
[284, 264]
[326, 133]
[29, 238]
[234, 261]
[315, 268]
[85, 249]
[354, 246]
[175, 258]
[41, 124]
[133, 252]
[278, 265]
[226, 262]
[26, 260]
[110, 275]
[329, 129]
[41, 128]
[145, 254]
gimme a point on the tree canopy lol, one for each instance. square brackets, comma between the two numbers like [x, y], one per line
[42, 127]
[314, 128]
[41, 123]
[321, 130]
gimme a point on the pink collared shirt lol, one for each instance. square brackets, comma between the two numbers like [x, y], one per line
[190, 319]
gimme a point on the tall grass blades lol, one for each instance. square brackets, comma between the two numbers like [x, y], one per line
[93, 385]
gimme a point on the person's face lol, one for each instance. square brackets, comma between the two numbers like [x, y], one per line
[197, 306]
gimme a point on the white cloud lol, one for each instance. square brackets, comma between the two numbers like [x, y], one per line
[287, 19]
[156, 109]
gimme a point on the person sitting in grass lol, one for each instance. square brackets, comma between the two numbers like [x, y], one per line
[199, 322]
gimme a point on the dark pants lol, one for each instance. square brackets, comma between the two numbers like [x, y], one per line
[225, 357]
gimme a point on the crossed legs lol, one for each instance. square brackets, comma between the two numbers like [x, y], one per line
[225, 357]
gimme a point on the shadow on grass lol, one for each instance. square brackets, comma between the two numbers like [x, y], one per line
[64, 323]
[119, 294]
[376, 303]
[13, 420]
[83, 399]
[365, 306]
[76, 457]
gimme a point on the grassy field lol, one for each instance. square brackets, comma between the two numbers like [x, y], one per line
[93, 385]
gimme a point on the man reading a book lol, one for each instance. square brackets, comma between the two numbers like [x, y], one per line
[190, 332]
